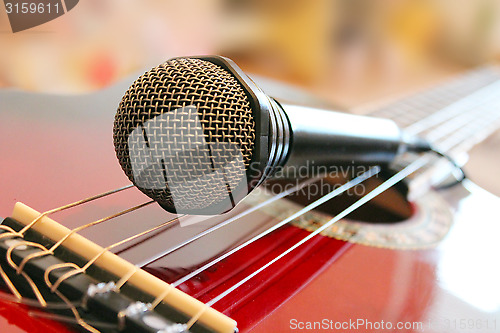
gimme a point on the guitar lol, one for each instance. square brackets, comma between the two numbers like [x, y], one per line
[408, 249]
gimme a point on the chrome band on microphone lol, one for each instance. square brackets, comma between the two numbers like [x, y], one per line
[280, 141]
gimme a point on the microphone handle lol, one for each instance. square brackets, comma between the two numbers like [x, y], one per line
[328, 138]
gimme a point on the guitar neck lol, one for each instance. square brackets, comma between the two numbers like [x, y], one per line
[453, 116]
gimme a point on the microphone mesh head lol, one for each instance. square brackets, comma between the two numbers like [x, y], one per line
[184, 134]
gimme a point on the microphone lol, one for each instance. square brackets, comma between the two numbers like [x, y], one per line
[196, 134]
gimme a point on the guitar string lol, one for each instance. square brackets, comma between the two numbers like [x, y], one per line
[33, 303]
[368, 174]
[71, 205]
[32, 284]
[413, 167]
[464, 145]
[451, 110]
[71, 320]
[487, 126]
[195, 318]
[461, 120]
[216, 260]
[483, 91]
[45, 251]
[84, 200]
[85, 325]
[103, 251]
[76, 314]
[380, 189]
[90, 328]
[77, 269]
[192, 321]
[5, 278]
[19, 268]
[12, 233]
[467, 114]
[232, 219]
[407, 171]
[408, 129]
[162, 296]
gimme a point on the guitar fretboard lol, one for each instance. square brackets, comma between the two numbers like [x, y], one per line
[455, 115]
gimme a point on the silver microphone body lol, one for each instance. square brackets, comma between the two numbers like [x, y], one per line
[335, 138]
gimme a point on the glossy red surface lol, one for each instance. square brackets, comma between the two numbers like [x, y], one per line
[66, 153]
[16, 318]
[445, 289]
[256, 299]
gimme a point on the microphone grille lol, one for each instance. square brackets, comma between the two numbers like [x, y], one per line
[181, 128]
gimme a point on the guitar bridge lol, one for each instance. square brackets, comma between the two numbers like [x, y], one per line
[97, 298]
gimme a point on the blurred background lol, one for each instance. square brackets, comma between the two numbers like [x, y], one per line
[348, 51]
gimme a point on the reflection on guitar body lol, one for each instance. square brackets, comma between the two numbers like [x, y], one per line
[278, 259]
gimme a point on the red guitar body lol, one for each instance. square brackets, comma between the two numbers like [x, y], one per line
[58, 149]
